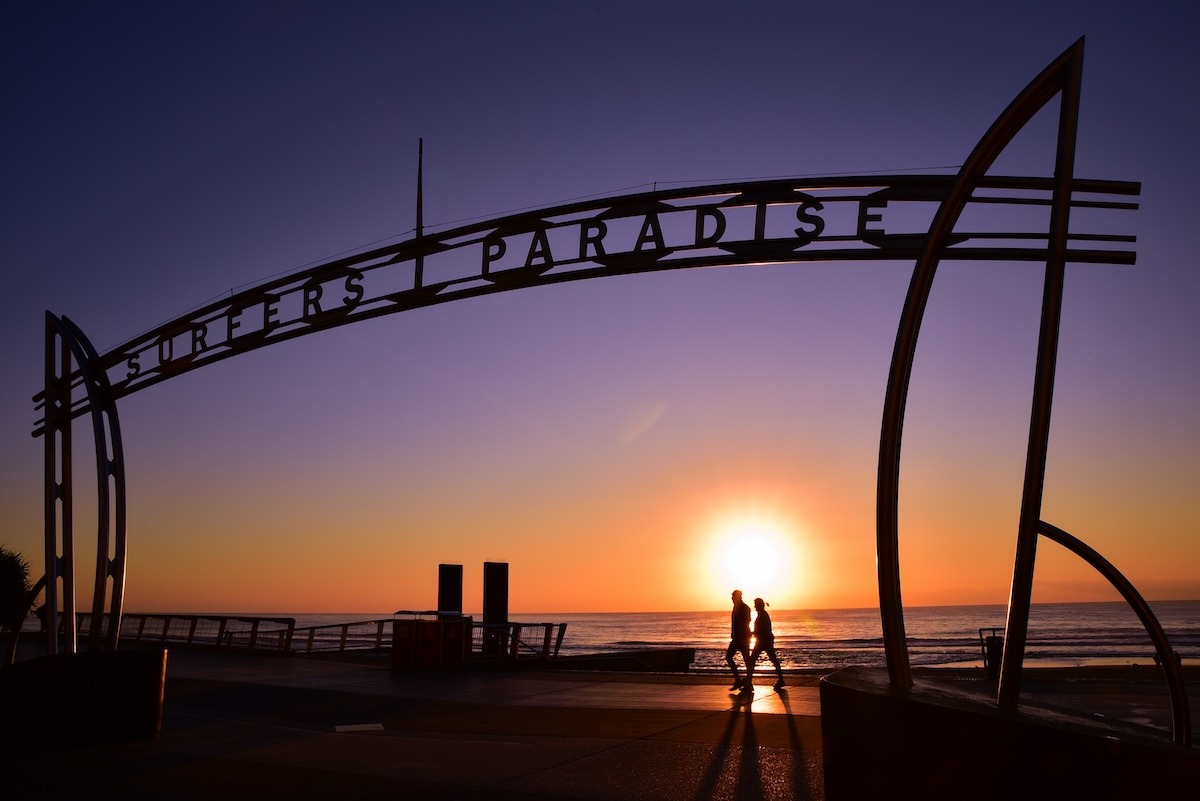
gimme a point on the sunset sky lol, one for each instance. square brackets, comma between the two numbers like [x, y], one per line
[641, 443]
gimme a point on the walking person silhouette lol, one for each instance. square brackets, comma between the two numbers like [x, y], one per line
[739, 637]
[764, 640]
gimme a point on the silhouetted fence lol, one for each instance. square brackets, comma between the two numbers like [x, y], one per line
[517, 640]
[280, 634]
[212, 631]
[360, 635]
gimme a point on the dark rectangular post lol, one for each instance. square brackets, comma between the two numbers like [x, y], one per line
[495, 608]
[495, 592]
[450, 584]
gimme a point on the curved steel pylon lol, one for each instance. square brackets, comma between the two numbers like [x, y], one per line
[66, 343]
[1062, 76]
[1181, 722]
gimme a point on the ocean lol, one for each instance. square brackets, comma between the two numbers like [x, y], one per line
[1059, 634]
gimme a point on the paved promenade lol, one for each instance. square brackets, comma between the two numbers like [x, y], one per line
[238, 726]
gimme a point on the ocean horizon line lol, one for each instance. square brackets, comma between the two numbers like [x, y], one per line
[721, 610]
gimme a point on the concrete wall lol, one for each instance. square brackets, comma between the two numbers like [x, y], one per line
[939, 741]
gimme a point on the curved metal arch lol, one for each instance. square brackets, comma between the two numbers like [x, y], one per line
[111, 531]
[1061, 76]
[778, 221]
[1181, 725]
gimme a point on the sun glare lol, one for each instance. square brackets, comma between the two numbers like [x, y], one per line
[757, 555]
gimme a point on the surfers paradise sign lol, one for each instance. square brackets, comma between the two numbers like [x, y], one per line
[920, 219]
[794, 221]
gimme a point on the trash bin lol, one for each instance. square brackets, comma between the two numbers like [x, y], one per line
[992, 644]
[429, 644]
[430, 640]
[456, 640]
[496, 639]
[404, 643]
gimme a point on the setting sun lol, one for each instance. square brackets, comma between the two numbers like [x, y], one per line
[756, 554]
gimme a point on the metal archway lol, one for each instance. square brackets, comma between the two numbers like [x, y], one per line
[741, 223]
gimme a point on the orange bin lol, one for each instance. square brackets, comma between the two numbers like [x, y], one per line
[438, 643]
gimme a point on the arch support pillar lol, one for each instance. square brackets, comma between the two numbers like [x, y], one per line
[1062, 77]
[65, 347]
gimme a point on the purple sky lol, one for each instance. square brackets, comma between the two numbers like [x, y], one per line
[158, 156]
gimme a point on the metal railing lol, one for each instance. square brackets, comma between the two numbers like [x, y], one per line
[280, 634]
[359, 635]
[517, 640]
[271, 634]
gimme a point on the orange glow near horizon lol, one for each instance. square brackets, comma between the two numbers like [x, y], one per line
[672, 534]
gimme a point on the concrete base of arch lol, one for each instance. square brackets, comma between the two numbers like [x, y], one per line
[88, 698]
[947, 740]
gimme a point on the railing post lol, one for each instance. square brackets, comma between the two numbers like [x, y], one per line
[562, 630]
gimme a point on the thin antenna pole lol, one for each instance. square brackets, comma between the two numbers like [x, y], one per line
[420, 181]
[419, 262]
